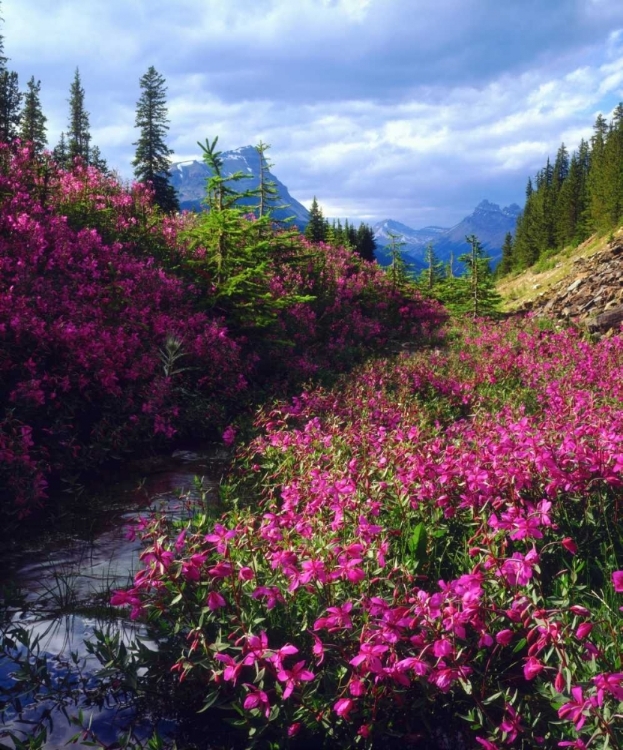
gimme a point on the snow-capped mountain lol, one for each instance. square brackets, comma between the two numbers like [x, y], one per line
[189, 179]
[488, 222]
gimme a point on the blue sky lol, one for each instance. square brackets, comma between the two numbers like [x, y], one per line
[407, 109]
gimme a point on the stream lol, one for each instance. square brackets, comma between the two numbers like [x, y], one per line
[58, 587]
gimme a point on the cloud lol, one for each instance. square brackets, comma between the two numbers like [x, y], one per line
[414, 109]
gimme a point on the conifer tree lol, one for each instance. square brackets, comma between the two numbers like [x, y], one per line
[434, 273]
[32, 125]
[366, 244]
[97, 160]
[10, 99]
[506, 263]
[78, 131]
[151, 162]
[482, 297]
[398, 269]
[267, 192]
[316, 230]
[597, 184]
[60, 153]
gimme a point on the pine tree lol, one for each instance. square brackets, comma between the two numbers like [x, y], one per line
[366, 244]
[482, 297]
[316, 230]
[10, 99]
[506, 263]
[433, 274]
[267, 191]
[151, 162]
[32, 125]
[597, 177]
[97, 160]
[78, 133]
[398, 269]
[60, 154]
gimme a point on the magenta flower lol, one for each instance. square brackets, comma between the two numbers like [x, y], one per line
[229, 436]
[343, 707]
[292, 677]
[257, 699]
[219, 537]
[583, 629]
[517, 570]
[511, 725]
[215, 601]
[504, 637]
[532, 667]
[617, 580]
[575, 709]
[610, 683]
[338, 619]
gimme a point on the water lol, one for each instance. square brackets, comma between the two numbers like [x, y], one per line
[58, 588]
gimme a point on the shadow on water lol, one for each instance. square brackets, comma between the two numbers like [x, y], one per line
[54, 599]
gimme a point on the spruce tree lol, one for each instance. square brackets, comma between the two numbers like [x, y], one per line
[78, 132]
[316, 230]
[267, 192]
[433, 274]
[506, 263]
[60, 153]
[97, 160]
[32, 126]
[151, 162]
[10, 99]
[366, 244]
[481, 297]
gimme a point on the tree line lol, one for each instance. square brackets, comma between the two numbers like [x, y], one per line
[22, 117]
[569, 200]
[360, 239]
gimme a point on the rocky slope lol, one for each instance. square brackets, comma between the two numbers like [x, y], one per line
[585, 287]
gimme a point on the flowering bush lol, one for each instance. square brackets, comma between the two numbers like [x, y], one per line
[436, 536]
[112, 329]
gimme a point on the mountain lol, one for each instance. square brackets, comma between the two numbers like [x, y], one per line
[488, 222]
[189, 179]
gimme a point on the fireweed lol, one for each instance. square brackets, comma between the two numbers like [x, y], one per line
[437, 533]
[96, 284]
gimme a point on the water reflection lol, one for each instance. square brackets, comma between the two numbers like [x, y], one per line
[64, 589]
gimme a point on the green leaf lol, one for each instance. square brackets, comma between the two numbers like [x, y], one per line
[417, 543]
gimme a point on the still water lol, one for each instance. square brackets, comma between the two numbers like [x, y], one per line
[57, 589]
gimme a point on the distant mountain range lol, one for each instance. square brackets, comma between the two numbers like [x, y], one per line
[488, 222]
[189, 179]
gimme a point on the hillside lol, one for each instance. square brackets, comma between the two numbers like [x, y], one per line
[578, 284]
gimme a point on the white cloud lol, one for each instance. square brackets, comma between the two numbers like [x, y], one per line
[375, 106]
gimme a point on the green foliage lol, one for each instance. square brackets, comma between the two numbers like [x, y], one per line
[78, 132]
[233, 253]
[316, 229]
[32, 124]
[434, 273]
[10, 99]
[578, 195]
[151, 161]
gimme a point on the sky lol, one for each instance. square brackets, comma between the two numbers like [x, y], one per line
[414, 110]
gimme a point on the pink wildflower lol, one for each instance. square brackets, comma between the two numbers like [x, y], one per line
[343, 707]
[257, 699]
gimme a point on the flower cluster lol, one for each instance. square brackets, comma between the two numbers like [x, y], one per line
[111, 333]
[438, 530]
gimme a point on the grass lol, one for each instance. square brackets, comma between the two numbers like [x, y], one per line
[527, 286]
